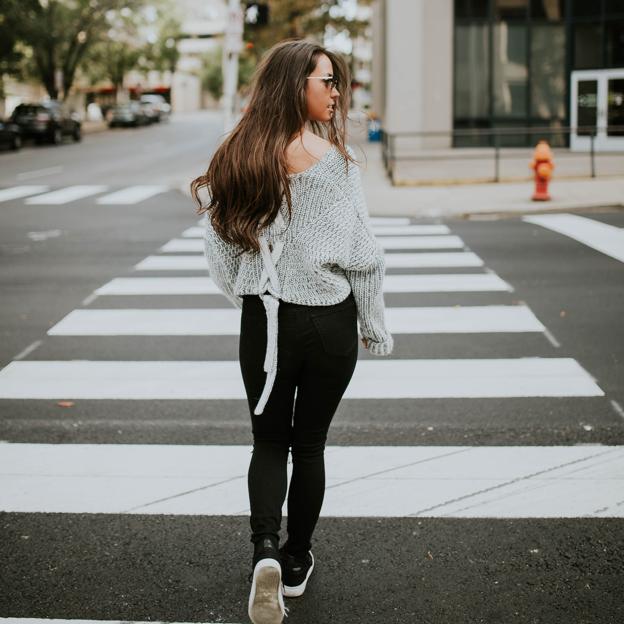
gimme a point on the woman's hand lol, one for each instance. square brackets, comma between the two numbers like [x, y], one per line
[365, 342]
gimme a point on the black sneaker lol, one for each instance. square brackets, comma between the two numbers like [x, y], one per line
[295, 572]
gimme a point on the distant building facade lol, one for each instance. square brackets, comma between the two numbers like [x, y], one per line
[474, 65]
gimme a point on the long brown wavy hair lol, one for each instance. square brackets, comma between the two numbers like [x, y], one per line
[248, 174]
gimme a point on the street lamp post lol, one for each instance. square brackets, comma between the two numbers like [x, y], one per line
[231, 49]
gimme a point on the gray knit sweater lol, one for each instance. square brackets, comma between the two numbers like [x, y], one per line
[326, 251]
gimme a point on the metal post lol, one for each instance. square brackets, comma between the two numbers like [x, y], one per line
[591, 152]
[233, 45]
[391, 159]
[496, 157]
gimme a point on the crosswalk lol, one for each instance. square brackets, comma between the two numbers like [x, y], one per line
[42, 195]
[386, 481]
[602, 237]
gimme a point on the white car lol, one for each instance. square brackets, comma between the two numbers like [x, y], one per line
[158, 102]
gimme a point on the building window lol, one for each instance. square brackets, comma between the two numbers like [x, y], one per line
[614, 39]
[551, 10]
[510, 9]
[471, 71]
[548, 76]
[587, 42]
[614, 7]
[471, 9]
[585, 8]
[510, 71]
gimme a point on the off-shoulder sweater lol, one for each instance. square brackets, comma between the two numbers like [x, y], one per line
[326, 251]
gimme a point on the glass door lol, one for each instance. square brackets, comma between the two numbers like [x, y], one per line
[597, 108]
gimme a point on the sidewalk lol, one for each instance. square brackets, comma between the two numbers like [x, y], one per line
[89, 127]
[462, 200]
[459, 200]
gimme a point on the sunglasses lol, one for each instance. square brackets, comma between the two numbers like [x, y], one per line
[329, 81]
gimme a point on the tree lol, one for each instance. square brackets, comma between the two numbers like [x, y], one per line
[59, 33]
[144, 40]
[304, 19]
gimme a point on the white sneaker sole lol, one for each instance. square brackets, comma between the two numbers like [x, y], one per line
[266, 601]
[297, 590]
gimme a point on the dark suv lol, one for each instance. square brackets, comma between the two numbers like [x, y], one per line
[46, 121]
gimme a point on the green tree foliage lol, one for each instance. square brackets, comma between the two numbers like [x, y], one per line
[302, 19]
[52, 40]
[212, 71]
[58, 35]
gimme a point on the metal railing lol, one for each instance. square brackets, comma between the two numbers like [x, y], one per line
[495, 136]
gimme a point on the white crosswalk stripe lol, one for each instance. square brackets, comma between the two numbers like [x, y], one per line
[132, 194]
[386, 379]
[226, 322]
[41, 194]
[16, 192]
[196, 245]
[396, 260]
[393, 221]
[602, 237]
[451, 481]
[444, 282]
[67, 194]
[380, 230]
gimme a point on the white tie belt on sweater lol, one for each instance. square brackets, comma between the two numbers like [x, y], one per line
[270, 293]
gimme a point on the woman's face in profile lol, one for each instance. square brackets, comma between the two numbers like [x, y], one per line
[321, 95]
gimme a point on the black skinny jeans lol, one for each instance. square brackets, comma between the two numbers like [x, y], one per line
[316, 357]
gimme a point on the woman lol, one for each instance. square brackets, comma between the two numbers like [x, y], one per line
[288, 241]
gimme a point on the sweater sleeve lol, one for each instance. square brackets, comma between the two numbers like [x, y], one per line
[223, 263]
[365, 270]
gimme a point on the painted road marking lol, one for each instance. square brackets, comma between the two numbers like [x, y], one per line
[602, 237]
[67, 194]
[401, 230]
[362, 481]
[373, 220]
[15, 192]
[397, 260]
[444, 282]
[196, 245]
[221, 379]
[132, 194]
[226, 322]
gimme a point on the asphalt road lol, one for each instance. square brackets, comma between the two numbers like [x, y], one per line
[67, 556]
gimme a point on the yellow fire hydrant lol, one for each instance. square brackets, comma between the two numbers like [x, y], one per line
[543, 166]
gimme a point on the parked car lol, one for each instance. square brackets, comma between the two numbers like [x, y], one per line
[10, 135]
[47, 121]
[151, 112]
[127, 114]
[161, 105]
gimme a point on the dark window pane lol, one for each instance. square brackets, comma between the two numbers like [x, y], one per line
[587, 46]
[471, 9]
[510, 69]
[510, 9]
[472, 133]
[614, 7]
[548, 78]
[586, 8]
[615, 107]
[586, 106]
[552, 10]
[471, 73]
[615, 43]
[510, 137]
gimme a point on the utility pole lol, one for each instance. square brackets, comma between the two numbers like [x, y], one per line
[231, 49]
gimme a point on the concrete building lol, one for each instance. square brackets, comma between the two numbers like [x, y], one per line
[478, 65]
